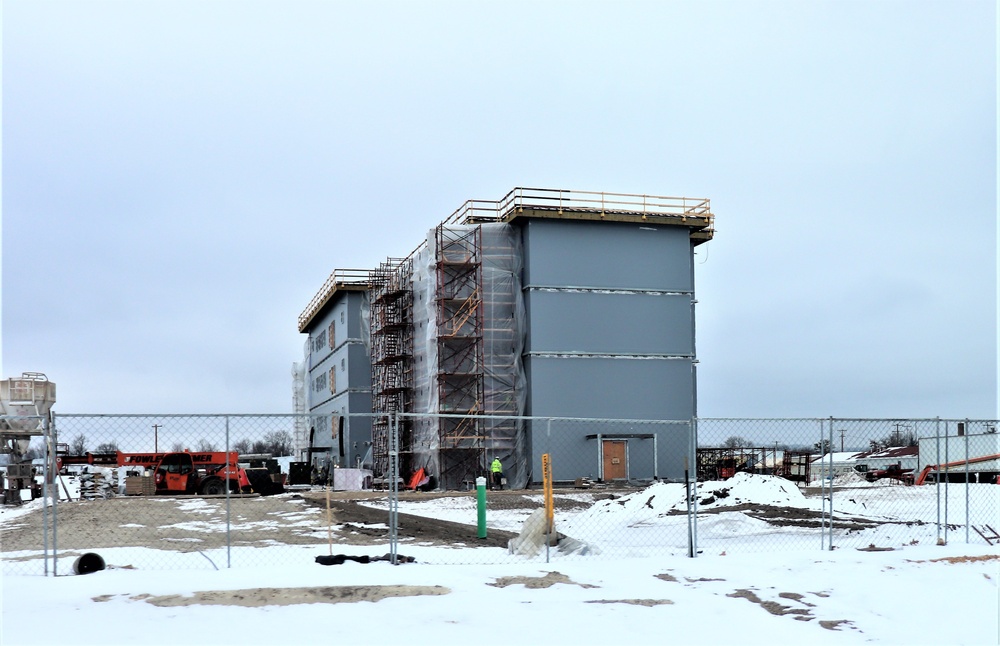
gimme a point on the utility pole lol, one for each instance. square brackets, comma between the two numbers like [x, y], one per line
[842, 431]
[156, 438]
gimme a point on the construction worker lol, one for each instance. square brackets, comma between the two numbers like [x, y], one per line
[497, 470]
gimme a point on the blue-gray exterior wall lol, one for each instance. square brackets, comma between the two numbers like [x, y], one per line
[352, 393]
[610, 334]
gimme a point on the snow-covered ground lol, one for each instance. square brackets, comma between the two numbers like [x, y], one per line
[754, 581]
[914, 595]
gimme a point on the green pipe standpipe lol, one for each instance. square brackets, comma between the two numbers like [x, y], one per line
[481, 506]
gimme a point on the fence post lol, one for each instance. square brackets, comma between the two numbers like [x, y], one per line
[937, 473]
[229, 542]
[947, 460]
[393, 487]
[830, 451]
[49, 450]
[822, 488]
[968, 521]
[55, 504]
[693, 500]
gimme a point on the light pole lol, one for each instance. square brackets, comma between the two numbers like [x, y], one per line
[156, 437]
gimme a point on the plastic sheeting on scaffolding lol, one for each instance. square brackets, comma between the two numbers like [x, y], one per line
[497, 432]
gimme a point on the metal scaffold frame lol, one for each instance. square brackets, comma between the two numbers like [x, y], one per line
[460, 382]
[391, 299]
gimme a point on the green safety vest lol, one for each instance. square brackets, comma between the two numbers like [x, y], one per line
[496, 467]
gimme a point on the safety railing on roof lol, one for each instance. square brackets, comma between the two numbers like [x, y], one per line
[559, 200]
[338, 278]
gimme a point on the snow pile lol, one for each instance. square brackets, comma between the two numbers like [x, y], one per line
[750, 488]
[669, 498]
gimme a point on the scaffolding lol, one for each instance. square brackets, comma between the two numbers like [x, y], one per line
[724, 463]
[460, 361]
[446, 341]
[391, 325]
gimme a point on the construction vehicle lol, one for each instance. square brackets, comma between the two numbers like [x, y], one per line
[945, 466]
[891, 471]
[205, 473]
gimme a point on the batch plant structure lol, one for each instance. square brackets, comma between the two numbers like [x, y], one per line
[570, 305]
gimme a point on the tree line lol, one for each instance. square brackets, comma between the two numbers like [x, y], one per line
[277, 443]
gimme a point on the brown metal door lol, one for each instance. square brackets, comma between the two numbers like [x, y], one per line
[614, 460]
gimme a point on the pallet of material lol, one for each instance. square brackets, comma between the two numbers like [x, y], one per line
[140, 486]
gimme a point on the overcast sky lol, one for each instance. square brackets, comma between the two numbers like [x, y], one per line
[179, 178]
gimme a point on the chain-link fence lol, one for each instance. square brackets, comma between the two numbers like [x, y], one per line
[217, 491]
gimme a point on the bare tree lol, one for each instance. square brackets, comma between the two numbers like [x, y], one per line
[178, 447]
[736, 442]
[107, 447]
[78, 446]
[243, 446]
[275, 442]
[280, 442]
[204, 446]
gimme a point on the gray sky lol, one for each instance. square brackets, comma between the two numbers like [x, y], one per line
[179, 178]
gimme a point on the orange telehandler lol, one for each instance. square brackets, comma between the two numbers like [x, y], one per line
[205, 473]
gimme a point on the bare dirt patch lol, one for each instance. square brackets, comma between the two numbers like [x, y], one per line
[190, 524]
[961, 559]
[636, 602]
[537, 582]
[259, 597]
[365, 524]
[792, 516]
[772, 607]
[775, 608]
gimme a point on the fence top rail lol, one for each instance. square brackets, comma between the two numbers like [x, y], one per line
[543, 418]
[525, 417]
[762, 419]
[202, 415]
[845, 419]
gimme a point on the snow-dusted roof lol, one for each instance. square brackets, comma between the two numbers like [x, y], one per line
[852, 456]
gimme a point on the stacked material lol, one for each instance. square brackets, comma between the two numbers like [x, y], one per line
[101, 483]
[140, 486]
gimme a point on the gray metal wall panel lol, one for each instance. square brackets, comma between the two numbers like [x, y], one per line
[615, 256]
[359, 371]
[612, 323]
[348, 356]
[357, 430]
[353, 315]
[606, 254]
[611, 388]
[576, 455]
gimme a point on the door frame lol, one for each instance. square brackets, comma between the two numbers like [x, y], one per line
[623, 441]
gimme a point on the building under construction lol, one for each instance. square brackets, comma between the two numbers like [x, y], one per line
[546, 304]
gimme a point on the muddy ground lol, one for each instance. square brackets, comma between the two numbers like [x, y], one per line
[189, 523]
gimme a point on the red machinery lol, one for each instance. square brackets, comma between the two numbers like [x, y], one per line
[892, 471]
[204, 473]
[949, 465]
